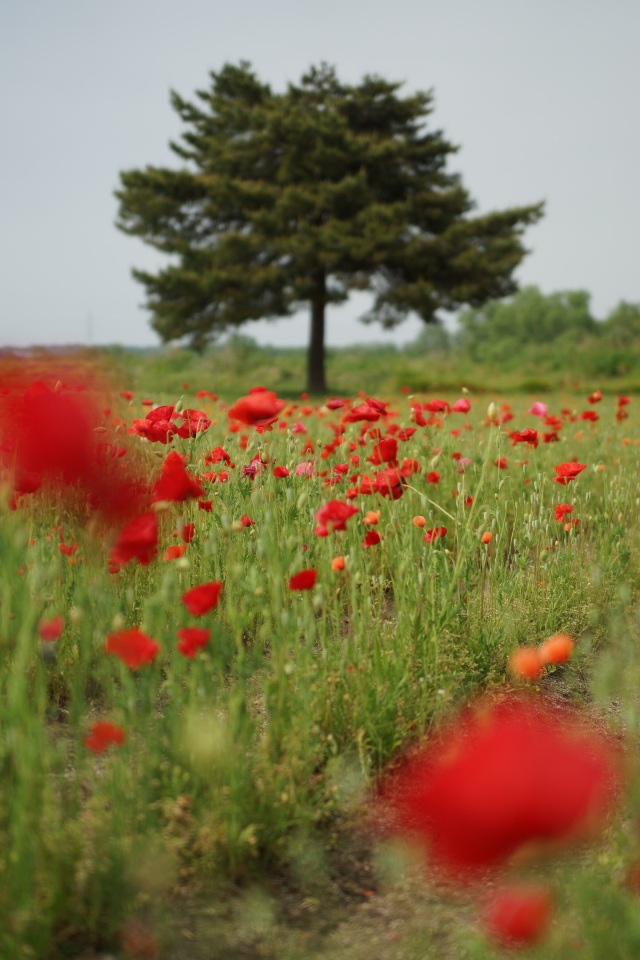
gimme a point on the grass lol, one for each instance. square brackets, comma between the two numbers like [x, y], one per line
[236, 808]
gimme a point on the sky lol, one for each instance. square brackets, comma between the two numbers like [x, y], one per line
[540, 96]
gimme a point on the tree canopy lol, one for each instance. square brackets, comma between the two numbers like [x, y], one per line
[301, 197]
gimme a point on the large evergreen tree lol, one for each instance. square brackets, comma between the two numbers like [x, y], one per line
[303, 196]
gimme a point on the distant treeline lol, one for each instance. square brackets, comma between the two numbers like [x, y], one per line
[553, 332]
[529, 342]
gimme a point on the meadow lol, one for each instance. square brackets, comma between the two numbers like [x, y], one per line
[227, 620]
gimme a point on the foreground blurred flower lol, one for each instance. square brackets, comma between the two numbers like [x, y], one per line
[501, 776]
[518, 915]
[53, 438]
[102, 735]
[133, 647]
[201, 599]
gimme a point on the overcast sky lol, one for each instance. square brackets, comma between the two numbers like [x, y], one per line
[540, 95]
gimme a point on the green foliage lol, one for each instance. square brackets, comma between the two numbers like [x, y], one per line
[301, 197]
[242, 761]
[500, 332]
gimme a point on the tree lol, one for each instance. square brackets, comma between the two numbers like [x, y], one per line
[303, 196]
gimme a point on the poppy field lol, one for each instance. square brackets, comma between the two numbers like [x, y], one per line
[259, 654]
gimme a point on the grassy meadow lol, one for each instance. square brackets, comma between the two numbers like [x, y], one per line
[195, 776]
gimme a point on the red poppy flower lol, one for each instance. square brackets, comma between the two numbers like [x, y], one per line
[261, 407]
[433, 477]
[280, 472]
[50, 630]
[436, 406]
[562, 509]
[217, 455]
[372, 539]
[556, 649]
[192, 639]
[389, 483]
[175, 551]
[461, 406]
[68, 549]
[518, 915]
[385, 452]
[435, 533]
[133, 647]
[566, 472]
[525, 663]
[501, 463]
[333, 516]
[305, 580]
[595, 397]
[157, 426]
[138, 540]
[188, 532]
[363, 412]
[102, 735]
[195, 421]
[175, 482]
[529, 435]
[201, 599]
[501, 776]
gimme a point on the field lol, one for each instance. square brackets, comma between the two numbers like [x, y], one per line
[225, 624]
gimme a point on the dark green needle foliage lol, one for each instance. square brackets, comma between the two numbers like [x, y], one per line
[300, 197]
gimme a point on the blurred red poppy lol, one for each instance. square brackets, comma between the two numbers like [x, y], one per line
[138, 540]
[260, 407]
[192, 639]
[175, 481]
[102, 735]
[566, 472]
[175, 551]
[133, 647]
[562, 509]
[504, 774]
[305, 580]
[372, 539]
[201, 599]
[435, 533]
[518, 915]
[386, 451]
[333, 516]
[50, 630]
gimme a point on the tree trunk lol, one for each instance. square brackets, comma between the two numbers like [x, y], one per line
[316, 382]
